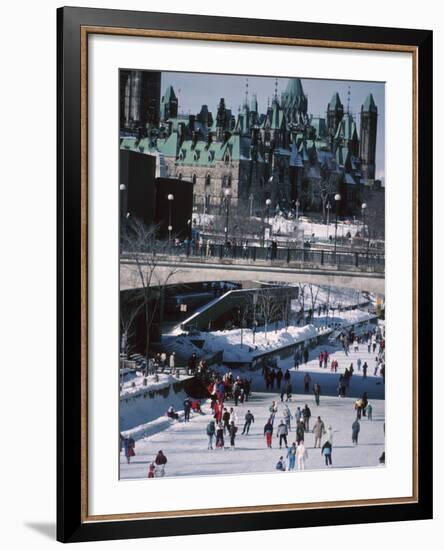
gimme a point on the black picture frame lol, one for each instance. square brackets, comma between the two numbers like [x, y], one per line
[71, 523]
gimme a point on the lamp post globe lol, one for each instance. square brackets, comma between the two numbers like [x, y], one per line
[122, 187]
[337, 199]
[363, 209]
[170, 199]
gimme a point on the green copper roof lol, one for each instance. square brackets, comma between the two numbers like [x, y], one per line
[347, 128]
[294, 88]
[169, 94]
[369, 105]
[335, 102]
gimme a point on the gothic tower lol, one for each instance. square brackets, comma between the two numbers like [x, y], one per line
[294, 102]
[222, 120]
[335, 112]
[367, 149]
[169, 104]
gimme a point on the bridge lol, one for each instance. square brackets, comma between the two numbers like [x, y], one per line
[360, 270]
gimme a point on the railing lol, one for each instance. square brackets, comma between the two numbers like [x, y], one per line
[364, 261]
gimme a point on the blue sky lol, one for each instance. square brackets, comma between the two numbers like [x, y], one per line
[196, 89]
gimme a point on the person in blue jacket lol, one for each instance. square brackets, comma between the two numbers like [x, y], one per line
[326, 452]
[291, 455]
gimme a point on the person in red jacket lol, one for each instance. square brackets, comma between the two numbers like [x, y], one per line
[160, 462]
[151, 470]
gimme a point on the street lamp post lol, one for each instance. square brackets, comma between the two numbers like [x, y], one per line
[328, 207]
[297, 209]
[363, 208]
[170, 198]
[227, 212]
[268, 204]
[337, 199]
[251, 197]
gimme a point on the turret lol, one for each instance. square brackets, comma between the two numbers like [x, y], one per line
[335, 112]
[367, 149]
[169, 104]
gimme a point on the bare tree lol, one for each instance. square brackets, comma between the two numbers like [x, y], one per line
[130, 308]
[142, 248]
[267, 306]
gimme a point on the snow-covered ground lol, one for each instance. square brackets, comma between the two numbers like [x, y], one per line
[185, 444]
[273, 338]
[133, 383]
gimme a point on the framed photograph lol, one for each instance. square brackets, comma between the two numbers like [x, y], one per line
[244, 274]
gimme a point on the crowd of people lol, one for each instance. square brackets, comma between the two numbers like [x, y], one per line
[288, 424]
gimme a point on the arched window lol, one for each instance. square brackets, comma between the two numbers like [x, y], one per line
[194, 179]
[229, 181]
[208, 179]
[179, 176]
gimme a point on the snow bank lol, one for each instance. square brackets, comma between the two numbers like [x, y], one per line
[135, 386]
[136, 411]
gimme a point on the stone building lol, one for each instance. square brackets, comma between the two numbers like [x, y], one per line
[284, 154]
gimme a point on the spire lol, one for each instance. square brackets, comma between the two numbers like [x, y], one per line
[246, 94]
[275, 98]
[335, 102]
[253, 106]
[369, 105]
[348, 99]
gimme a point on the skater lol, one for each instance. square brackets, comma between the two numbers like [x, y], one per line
[273, 409]
[358, 364]
[129, 446]
[307, 380]
[268, 432]
[160, 462]
[298, 415]
[319, 431]
[211, 430]
[305, 355]
[300, 432]
[306, 414]
[279, 377]
[171, 413]
[358, 408]
[301, 455]
[364, 369]
[226, 420]
[288, 391]
[220, 436]
[233, 416]
[280, 465]
[291, 455]
[233, 431]
[152, 470]
[249, 418]
[282, 433]
[187, 409]
[317, 392]
[369, 411]
[326, 452]
[287, 417]
[355, 431]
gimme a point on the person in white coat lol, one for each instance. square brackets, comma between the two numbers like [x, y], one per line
[301, 455]
[329, 434]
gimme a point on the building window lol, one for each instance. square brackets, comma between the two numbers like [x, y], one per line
[208, 179]
[179, 176]
[226, 181]
[194, 179]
